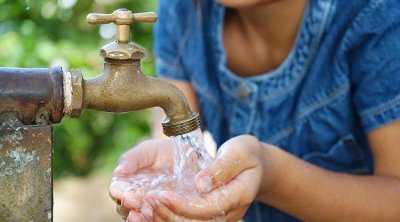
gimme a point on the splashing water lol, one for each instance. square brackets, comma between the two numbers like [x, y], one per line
[189, 158]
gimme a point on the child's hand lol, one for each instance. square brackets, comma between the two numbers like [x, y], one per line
[239, 166]
[151, 157]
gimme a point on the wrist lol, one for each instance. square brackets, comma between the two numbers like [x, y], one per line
[272, 172]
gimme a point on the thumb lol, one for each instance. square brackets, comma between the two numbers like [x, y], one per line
[231, 161]
[218, 173]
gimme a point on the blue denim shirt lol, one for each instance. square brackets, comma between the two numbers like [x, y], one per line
[340, 81]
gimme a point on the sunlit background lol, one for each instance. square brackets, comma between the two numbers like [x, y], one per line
[44, 33]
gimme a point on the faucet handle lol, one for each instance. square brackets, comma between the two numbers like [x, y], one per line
[123, 18]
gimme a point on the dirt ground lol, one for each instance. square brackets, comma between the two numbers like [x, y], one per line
[84, 200]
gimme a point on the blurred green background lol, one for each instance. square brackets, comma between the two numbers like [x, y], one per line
[44, 33]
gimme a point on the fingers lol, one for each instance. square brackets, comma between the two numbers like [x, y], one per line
[123, 193]
[235, 216]
[130, 201]
[117, 189]
[148, 214]
[230, 200]
[133, 199]
[162, 214]
[235, 156]
[134, 216]
[187, 206]
[122, 211]
[221, 171]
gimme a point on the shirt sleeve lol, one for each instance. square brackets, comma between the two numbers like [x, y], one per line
[166, 41]
[376, 65]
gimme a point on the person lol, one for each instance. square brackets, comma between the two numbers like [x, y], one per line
[303, 99]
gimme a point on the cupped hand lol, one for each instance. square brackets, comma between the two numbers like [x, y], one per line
[137, 168]
[149, 167]
[227, 186]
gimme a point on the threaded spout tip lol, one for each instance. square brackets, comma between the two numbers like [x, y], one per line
[189, 124]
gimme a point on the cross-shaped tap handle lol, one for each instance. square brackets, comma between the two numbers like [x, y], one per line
[123, 18]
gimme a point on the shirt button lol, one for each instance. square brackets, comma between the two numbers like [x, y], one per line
[243, 92]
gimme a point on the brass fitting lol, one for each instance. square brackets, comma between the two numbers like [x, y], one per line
[73, 93]
[122, 87]
[178, 127]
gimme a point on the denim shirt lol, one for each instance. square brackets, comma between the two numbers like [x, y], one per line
[340, 81]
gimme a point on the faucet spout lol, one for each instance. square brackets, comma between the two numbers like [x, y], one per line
[122, 87]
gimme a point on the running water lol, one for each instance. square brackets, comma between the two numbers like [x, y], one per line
[189, 158]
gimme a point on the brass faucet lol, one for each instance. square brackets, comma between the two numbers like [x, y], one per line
[122, 86]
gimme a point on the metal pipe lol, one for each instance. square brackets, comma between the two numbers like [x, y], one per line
[34, 94]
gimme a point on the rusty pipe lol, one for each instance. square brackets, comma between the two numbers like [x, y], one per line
[122, 87]
[35, 95]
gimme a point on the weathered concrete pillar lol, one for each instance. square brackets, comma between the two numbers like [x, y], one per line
[26, 181]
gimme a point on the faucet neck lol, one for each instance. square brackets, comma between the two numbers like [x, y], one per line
[114, 68]
[134, 62]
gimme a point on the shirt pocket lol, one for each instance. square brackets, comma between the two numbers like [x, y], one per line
[344, 156]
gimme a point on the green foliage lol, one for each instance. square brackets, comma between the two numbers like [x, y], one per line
[43, 33]
[96, 140]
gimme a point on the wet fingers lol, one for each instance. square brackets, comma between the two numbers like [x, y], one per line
[123, 211]
[135, 216]
[117, 188]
